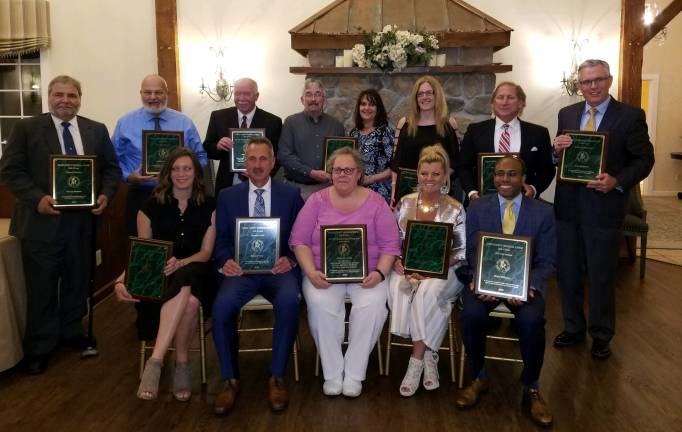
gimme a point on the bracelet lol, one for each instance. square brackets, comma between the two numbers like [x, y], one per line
[383, 277]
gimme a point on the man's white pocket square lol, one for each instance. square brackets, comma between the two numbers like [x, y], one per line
[534, 149]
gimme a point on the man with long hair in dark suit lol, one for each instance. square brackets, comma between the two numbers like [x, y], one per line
[244, 114]
[589, 217]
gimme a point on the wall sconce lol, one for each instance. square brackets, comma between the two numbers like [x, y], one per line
[222, 89]
[651, 11]
[569, 82]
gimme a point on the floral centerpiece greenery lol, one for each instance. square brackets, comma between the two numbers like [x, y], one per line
[391, 49]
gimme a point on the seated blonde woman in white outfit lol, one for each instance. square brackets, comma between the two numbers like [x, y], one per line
[420, 306]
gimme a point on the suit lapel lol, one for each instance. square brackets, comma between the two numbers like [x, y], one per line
[275, 204]
[243, 204]
[575, 116]
[610, 116]
[51, 137]
[522, 218]
[494, 209]
[87, 136]
[526, 140]
[489, 137]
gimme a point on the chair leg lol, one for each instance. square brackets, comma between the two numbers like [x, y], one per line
[452, 349]
[642, 257]
[388, 344]
[317, 363]
[202, 344]
[296, 345]
[462, 360]
[380, 356]
[143, 347]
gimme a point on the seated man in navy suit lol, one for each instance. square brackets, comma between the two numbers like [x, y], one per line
[510, 212]
[258, 197]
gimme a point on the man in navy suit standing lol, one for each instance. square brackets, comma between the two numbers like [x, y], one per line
[244, 114]
[590, 217]
[260, 196]
[503, 134]
[510, 212]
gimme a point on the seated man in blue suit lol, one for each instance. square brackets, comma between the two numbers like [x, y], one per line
[258, 197]
[510, 212]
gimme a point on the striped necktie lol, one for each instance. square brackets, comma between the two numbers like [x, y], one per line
[244, 125]
[509, 219]
[505, 140]
[259, 206]
[591, 123]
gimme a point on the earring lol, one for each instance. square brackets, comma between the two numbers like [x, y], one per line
[444, 189]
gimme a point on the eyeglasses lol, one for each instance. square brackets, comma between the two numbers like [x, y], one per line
[427, 93]
[596, 81]
[346, 171]
[508, 173]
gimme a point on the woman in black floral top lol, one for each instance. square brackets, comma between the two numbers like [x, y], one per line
[375, 141]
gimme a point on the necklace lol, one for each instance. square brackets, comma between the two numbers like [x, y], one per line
[426, 207]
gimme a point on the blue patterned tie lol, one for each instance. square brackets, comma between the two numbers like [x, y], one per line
[69, 146]
[157, 123]
[259, 207]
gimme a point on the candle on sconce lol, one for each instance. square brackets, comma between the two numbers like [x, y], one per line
[440, 61]
[433, 61]
[347, 58]
[339, 61]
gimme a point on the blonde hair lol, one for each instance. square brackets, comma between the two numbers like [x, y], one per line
[436, 153]
[441, 106]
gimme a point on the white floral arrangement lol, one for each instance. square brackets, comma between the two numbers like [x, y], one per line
[391, 50]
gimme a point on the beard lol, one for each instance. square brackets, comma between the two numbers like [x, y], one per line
[154, 110]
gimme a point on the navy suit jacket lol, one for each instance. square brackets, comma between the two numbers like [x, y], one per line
[233, 203]
[629, 158]
[219, 126]
[536, 152]
[535, 220]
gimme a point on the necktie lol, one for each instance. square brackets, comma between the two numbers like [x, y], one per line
[69, 146]
[244, 125]
[259, 206]
[509, 219]
[505, 140]
[157, 123]
[590, 125]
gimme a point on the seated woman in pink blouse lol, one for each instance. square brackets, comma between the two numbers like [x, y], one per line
[345, 203]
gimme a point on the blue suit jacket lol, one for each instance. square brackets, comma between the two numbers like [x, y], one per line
[535, 220]
[233, 203]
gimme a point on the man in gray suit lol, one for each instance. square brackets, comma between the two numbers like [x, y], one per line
[56, 245]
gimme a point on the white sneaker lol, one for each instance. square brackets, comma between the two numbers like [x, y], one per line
[351, 388]
[410, 382]
[431, 370]
[332, 387]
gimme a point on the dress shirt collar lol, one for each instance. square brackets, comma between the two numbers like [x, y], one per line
[312, 120]
[517, 202]
[601, 108]
[267, 186]
[249, 116]
[514, 124]
[58, 123]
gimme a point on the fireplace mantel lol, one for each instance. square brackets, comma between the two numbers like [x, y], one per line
[422, 70]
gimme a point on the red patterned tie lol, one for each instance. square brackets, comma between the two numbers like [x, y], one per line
[244, 126]
[505, 140]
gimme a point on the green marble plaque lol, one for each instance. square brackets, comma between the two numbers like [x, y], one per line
[503, 265]
[426, 249]
[72, 181]
[156, 146]
[343, 253]
[240, 139]
[333, 143]
[144, 278]
[585, 158]
[257, 244]
[486, 171]
[406, 183]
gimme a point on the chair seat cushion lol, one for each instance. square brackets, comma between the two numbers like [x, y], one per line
[635, 224]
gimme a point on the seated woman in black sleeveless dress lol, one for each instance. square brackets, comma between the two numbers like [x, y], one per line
[178, 211]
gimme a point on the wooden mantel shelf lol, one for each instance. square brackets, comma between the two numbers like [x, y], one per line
[435, 70]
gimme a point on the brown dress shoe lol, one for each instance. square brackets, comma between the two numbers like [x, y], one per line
[278, 396]
[468, 396]
[224, 401]
[537, 407]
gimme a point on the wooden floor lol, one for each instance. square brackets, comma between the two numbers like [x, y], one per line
[637, 389]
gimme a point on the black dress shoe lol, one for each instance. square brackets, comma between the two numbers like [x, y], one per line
[600, 349]
[79, 342]
[565, 339]
[34, 364]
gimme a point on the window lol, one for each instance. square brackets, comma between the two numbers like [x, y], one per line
[19, 90]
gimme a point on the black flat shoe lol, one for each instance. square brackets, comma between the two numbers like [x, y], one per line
[565, 339]
[600, 349]
[34, 364]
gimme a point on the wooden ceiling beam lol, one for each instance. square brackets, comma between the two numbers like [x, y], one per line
[662, 19]
[167, 54]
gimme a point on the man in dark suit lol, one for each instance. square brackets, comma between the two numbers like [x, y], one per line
[507, 133]
[589, 217]
[245, 114]
[259, 196]
[56, 245]
[510, 212]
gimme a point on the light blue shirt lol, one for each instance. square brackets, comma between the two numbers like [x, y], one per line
[515, 206]
[127, 138]
[601, 110]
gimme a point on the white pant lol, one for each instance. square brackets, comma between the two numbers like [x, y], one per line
[326, 316]
[424, 316]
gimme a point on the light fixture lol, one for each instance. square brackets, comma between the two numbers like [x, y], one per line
[651, 11]
[569, 82]
[222, 89]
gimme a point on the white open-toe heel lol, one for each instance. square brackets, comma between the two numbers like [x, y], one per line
[410, 382]
[431, 370]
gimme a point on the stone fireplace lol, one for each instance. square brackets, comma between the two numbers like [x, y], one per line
[467, 36]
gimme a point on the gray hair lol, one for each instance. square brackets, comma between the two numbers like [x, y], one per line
[251, 81]
[309, 82]
[262, 141]
[65, 79]
[593, 63]
[357, 158]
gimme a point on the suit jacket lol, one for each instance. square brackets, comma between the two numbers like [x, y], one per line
[535, 220]
[25, 168]
[629, 158]
[536, 152]
[233, 203]
[219, 126]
